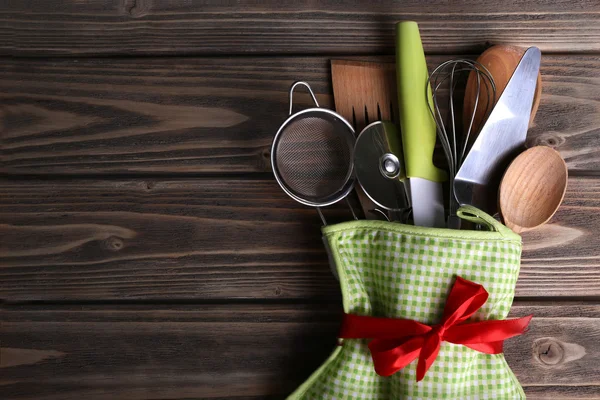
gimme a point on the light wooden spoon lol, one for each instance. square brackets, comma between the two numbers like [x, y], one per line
[532, 188]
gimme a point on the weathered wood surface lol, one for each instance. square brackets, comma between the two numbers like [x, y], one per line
[175, 208]
[562, 392]
[217, 115]
[177, 239]
[115, 27]
[225, 239]
[250, 351]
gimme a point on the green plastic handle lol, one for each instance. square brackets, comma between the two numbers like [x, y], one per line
[416, 121]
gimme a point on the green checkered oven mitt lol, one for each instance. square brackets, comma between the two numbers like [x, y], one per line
[401, 271]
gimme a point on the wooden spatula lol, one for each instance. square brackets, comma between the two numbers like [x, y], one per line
[364, 92]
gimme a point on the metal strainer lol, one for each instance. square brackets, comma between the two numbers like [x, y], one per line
[311, 155]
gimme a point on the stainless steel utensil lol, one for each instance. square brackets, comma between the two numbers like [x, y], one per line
[501, 61]
[311, 156]
[379, 169]
[503, 134]
[444, 81]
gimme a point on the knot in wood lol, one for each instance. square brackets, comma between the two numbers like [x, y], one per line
[548, 351]
[265, 159]
[548, 139]
[138, 8]
[114, 243]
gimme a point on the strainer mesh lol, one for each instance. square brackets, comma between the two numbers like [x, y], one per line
[314, 157]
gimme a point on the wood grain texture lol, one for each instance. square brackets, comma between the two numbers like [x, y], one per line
[562, 392]
[160, 239]
[109, 27]
[231, 351]
[562, 257]
[224, 239]
[211, 351]
[269, 306]
[218, 115]
[364, 92]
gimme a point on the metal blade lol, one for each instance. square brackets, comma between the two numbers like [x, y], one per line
[502, 136]
[427, 203]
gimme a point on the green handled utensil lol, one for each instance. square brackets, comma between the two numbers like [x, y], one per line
[418, 127]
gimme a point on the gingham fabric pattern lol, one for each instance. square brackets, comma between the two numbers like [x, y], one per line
[385, 272]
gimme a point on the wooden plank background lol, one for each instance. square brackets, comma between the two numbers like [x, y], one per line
[146, 251]
[225, 239]
[125, 27]
[218, 115]
[97, 351]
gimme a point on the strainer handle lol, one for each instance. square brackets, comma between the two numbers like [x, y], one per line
[309, 90]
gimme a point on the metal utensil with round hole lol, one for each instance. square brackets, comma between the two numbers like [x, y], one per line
[379, 169]
[311, 156]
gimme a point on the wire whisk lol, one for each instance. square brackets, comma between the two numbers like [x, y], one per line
[451, 76]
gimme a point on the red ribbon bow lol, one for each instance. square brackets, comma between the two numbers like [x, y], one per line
[398, 342]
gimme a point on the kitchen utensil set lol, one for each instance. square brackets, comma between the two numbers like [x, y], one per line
[316, 157]
[317, 160]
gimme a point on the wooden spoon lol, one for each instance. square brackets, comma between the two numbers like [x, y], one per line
[532, 188]
[501, 61]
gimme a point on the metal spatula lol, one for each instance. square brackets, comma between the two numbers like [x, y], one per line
[502, 136]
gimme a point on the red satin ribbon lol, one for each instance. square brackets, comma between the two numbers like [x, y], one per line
[397, 342]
